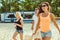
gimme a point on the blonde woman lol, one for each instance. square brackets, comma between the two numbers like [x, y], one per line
[45, 17]
[19, 26]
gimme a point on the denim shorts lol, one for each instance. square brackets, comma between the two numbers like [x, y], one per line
[46, 34]
[19, 31]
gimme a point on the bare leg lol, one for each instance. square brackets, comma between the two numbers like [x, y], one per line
[21, 36]
[46, 38]
[37, 39]
[43, 38]
[14, 36]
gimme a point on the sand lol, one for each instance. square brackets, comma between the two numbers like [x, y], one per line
[7, 30]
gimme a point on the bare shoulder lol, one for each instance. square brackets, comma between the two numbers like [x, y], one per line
[51, 14]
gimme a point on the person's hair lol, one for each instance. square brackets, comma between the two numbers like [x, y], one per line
[18, 14]
[47, 4]
[39, 10]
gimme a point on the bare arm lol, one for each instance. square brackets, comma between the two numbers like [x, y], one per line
[38, 24]
[21, 23]
[32, 25]
[54, 21]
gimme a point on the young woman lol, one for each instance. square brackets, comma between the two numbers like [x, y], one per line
[45, 17]
[19, 26]
[34, 23]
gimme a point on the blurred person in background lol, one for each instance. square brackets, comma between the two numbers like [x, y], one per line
[34, 23]
[19, 26]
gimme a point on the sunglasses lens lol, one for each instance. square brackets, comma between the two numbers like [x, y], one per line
[43, 5]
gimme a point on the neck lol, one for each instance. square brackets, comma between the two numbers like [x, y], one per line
[46, 12]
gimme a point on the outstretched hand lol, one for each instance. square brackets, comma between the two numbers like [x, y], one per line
[59, 30]
[33, 33]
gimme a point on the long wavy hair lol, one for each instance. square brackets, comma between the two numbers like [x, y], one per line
[47, 4]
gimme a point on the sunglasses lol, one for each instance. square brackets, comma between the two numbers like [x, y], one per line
[43, 5]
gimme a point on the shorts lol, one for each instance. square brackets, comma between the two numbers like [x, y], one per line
[19, 31]
[46, 34]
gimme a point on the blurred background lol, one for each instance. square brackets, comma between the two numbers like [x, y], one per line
[9, 7]
[27, 10]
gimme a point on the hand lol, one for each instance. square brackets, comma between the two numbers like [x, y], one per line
[18, 25]
[31, 28]
[59, 31]
[15, 24]
[33, 33]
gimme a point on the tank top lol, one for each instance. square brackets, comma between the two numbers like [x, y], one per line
[18, 22]
[45, 23]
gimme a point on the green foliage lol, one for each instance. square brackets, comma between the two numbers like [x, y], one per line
[28, 5]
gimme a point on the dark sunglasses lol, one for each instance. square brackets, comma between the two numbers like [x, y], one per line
[43, 5]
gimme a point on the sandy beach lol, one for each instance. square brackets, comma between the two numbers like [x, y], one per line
[7, 30]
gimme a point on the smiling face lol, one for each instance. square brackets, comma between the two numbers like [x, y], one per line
[44, 7]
